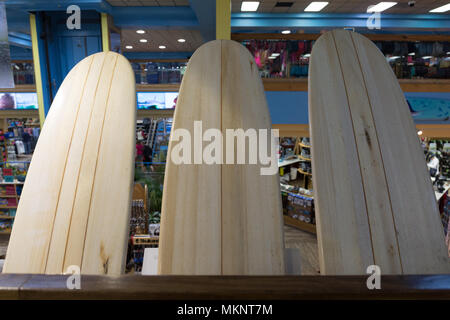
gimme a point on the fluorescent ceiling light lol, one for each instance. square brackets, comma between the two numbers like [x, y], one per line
[412, 54]
[272, 57]
[140, 31]
[441, 9]
[393, 58]
[128, 47]
[249, 5]
[286, 31]
[162, 47]
[275, 54]
[427, 57]
[381, 6]
[143, 40]
[181, 40]
[316, 6]
[448, 52]
[307, 55]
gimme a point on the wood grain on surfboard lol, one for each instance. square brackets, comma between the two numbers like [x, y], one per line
[221, 219]
[75, 205]
[373, 195]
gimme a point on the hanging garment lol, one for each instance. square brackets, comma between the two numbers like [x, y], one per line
[438, 49]
[20, 147]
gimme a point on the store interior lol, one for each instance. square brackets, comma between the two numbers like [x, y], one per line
[159, 37]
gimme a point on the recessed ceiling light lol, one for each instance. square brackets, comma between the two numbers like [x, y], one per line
[140, 31]
[381, 6]
[143, 40]
[316, 6]
[420, 132]
[286, 31]
[181, 40]
[444, 8]
[128, 47]
[162, 47]
[249, 5]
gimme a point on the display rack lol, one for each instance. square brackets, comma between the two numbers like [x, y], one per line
[308, 227]
[9, 193]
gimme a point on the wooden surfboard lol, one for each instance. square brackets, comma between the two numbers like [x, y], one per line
[75, 205]
[374, 201]
[220, 219]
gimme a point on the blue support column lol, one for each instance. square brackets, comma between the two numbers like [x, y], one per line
[205, 11]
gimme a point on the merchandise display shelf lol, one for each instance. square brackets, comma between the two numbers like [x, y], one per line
[308, 227]
[288, 162]
[304, 145]
[303, 172]
[304, 159]
[14, 182]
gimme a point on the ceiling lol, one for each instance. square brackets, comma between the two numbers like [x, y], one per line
[150, 3]
[169, 37]
[157, 37]
[268, 6]
[345, 6]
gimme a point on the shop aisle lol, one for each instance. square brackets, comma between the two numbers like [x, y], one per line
[307, 245]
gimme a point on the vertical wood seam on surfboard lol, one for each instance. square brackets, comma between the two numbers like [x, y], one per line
[357, 150]
[221, 166]
[424, 231]
[336, 173]
[65, 163]
[382, 229]
[65, 241]
[82, 157]
[96, 160]
[381, 153]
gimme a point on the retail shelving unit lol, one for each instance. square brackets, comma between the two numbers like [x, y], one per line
[10, 193]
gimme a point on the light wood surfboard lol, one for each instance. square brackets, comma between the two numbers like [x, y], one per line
[220, 219]
[76, 201]
[374, 201]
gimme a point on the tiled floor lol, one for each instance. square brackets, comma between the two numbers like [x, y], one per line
[294, 238]
[307, 245]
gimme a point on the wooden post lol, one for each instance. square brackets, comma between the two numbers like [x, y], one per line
[37, 68]
[105, 32]
[223, 19]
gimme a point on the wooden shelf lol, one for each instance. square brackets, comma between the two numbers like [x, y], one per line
[14, 182]
[8, 196]
[304, 145]
[315, 36]
[7, 231]
[289, 287]
[303, 172]
[308, 227]
[407, 85]
[303, 158]
[6, 217]
[6, 207]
